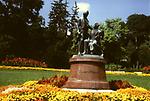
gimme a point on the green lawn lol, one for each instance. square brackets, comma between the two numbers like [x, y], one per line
[9, 77]
[140, 81]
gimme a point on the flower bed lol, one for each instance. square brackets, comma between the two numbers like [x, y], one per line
[50, 90]
[125, 73]
[18, 61]
[32, 68]
[32, 91]
[60, 81]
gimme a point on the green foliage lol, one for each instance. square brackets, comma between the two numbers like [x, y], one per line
[138, 23]
[23, 34]
[129, 39]
[114, 33]
[139, 34]
[144, 53]
[113, 29]
[139, 30]
[58, 18]
[74, 30]
[57, 30]
[17, 18]
[5, 44]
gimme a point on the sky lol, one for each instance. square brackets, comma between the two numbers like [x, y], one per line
[100, 10]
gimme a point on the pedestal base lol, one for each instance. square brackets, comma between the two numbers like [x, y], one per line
[87, 84]
[87, 72]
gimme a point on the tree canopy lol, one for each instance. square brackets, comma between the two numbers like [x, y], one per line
[23, 33]
[17, 19]
[138, 25]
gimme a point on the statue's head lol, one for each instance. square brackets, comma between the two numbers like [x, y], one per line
[96, 25]
[85, 14]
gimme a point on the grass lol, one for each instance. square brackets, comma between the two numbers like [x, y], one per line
[10, 77]
[140, 81]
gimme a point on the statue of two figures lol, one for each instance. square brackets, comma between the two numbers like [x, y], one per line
[89, 43]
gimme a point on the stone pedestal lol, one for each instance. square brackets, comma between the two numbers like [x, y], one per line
[87, 72]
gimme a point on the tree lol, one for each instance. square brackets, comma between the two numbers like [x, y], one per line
[37, 44]
[74, 29]
[139, 34]
[114, 33]
[57, 30]
[58, 18]
[144, 54]
[5, 44]
[16, 17]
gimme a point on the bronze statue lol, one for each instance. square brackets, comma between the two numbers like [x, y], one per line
[95, 41]
[83, 29]
[88, 43]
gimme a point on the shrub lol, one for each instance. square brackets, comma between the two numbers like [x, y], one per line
[60, 81]
[18, 61]
[146, 69]
[119, 84]
[56, 81]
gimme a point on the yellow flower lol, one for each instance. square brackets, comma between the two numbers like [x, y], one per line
[30, 83]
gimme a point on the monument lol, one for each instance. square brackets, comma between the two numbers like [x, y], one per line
[88, 67]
